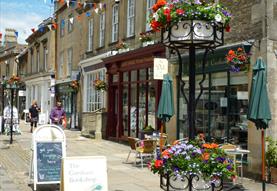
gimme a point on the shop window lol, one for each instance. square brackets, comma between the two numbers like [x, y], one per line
[94, 99]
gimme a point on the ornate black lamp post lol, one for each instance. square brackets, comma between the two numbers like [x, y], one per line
[13, 85]
[192, 35]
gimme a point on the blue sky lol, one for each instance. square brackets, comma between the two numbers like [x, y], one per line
[23, 15]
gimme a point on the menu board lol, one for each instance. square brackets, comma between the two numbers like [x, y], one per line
[49, 156]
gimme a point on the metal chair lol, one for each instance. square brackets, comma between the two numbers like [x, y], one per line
[132, 142]
[146, 149]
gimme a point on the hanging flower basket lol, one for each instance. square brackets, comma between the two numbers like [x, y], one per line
[190, 162]
[196, 22]
[100, 85]
[74, 85]
[238, 60]
[13, 82]
[168, 13]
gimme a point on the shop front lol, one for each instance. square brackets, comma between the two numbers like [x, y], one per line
[68, 96]
[133, 94]
[222, 108]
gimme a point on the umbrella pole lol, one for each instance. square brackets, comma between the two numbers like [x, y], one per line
[161, 136]
[263, 161]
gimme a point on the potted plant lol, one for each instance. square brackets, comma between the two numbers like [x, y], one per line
[121, 46]
[190, 161]
[271, 159]
[238, 60]
[146, 38]
[166, 14]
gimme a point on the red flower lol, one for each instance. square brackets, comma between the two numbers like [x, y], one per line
[205, 156]
[155, 25]
[165, 153]
[167, 14]
[158, 163]
[159, 4]
[180, 11]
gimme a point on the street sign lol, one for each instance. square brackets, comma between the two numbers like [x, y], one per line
[84, 173]
[48, 151]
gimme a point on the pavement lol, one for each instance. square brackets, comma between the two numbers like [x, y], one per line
[15, 163]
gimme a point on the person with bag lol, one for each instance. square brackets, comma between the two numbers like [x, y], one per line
[57, 114]
[33, 114]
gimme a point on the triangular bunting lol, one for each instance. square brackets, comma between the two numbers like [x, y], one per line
[71, 19]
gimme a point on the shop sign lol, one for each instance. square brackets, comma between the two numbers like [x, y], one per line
[160, 68]
[21, 93]
[84, 173]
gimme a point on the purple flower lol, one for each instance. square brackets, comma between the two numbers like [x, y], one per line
[226, 13]
[220, 159]
[197, 2]
[229, 167]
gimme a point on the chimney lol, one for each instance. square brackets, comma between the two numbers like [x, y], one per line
[10, 37]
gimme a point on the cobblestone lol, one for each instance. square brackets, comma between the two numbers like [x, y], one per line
[15, 162]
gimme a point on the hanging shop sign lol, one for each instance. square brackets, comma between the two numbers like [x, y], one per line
[160, 68]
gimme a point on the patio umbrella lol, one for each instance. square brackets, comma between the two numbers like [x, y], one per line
[166, 106]
[259, 111]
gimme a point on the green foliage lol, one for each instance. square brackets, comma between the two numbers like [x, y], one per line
[271, 152]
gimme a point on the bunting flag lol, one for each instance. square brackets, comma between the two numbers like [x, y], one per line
[88, 14]
[0, 35]
[16, 33]
[33, 30]
[54, 26]
[41, 29]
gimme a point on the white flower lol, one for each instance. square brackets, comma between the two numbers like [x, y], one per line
[218, 18]
[155, 16]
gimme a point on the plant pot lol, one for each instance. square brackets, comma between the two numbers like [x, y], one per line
[147, 43]
[123, 50]
[273, 173]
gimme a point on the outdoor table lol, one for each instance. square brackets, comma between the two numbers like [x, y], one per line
[235, 152]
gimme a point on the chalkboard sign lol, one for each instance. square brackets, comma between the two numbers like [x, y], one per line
[49, 155]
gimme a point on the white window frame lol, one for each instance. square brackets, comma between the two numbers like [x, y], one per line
[101, 29]
[115, 18]
[90, 34]
[149, 5]
[131, 18]
[69, 61]
[61, 65]
[93, 99]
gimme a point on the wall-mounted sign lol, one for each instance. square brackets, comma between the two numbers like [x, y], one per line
[21, 93]
[160, 68]
[242, 95]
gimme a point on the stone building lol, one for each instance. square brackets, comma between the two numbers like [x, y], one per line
[9, 62]
[39, 71]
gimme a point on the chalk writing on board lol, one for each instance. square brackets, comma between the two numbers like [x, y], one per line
[49, 155]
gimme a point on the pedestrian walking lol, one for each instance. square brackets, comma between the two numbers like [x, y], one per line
[57, 114]
[33, 114]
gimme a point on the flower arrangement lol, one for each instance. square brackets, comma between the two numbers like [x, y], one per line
[238, 60]
[121, 45]
[145, 37]
[167, 13]
[74, 85]
[100, 85]
[13, 81]
[194, 158]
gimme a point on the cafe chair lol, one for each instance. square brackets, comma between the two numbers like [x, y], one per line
[145, 149]
[237, 161]
[132, 142]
